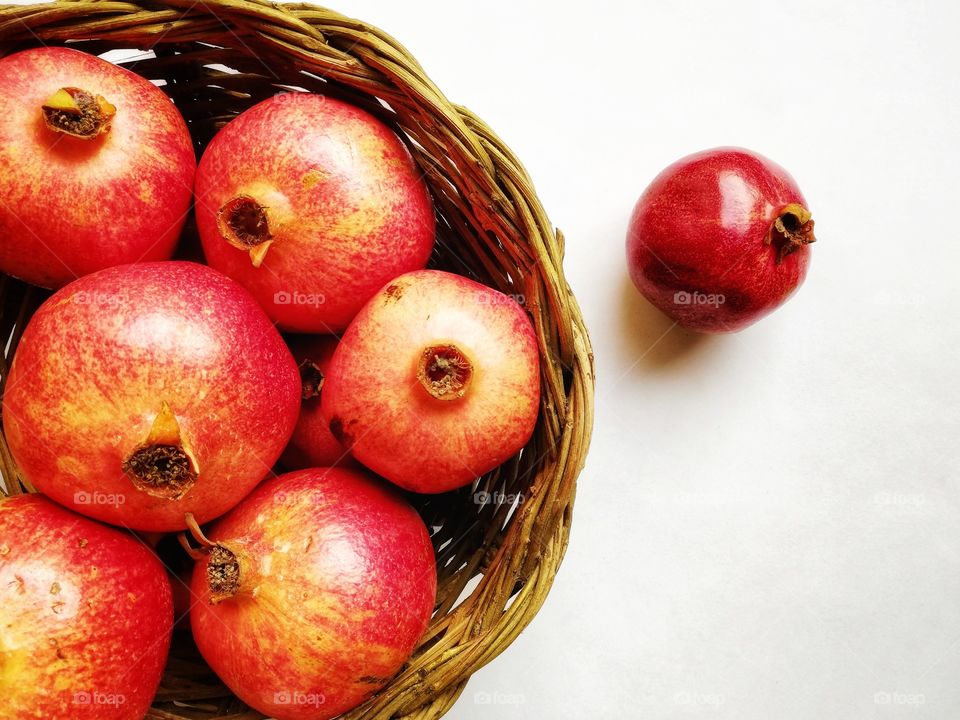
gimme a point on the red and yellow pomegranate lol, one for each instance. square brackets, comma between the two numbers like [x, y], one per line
[314, 592]
[435, 382]
[85, 616]
[144, 392]
[312, 204]
[96, 167]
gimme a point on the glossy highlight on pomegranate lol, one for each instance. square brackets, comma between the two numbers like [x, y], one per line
[85, 616]
[96, 167]
[312, 204]
[313, 592]
[719, 239]
[144, 392]
[435, 382]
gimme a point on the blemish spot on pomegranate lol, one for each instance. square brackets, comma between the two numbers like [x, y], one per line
[312, 177]
[340, 432]
[394, 292]
[374, 680]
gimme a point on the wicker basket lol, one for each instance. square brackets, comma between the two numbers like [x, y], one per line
[491, 226]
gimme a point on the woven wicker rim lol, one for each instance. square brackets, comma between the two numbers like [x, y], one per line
[491, 227]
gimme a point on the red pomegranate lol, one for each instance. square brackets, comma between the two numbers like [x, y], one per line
[435, 382]
[85, 616]
[719, 239]
[143, 392]
[96, 167]
[313, 205]
[315, 591]
[312, 444]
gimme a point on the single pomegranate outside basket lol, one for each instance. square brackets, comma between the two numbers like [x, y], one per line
[496, 560]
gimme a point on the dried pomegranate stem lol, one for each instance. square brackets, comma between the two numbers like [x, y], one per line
[197, 534]
[792, 229]
[78, 113]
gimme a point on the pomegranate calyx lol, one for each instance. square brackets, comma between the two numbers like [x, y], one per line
[792, 229]
[162, 466]
[223, 564]
[445, 372]
[311, 379]
[244, 223]
[78, 113]
[223, 574]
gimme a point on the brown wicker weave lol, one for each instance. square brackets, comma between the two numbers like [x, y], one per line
[491, 227]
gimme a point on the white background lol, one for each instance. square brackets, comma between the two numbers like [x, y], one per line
[768, 523]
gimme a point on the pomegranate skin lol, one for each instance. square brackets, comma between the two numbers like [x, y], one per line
[139, 371]
[378, 405]
[342, 202]
[312, 444]
[697, 245]
[72, 205]
[337, 582]
[85, 616]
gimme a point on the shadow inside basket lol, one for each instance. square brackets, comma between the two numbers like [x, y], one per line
[211, 85]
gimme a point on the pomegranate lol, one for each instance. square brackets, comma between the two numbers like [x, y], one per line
[435, 382]
[85, 616]
[313, 205]
[143, 392]
[314, 592]
[96, 167]
[312, 444]
[719, 239]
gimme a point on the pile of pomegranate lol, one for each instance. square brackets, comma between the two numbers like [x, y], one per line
[158, 396]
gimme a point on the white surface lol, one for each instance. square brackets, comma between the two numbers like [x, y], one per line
[768, 523]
